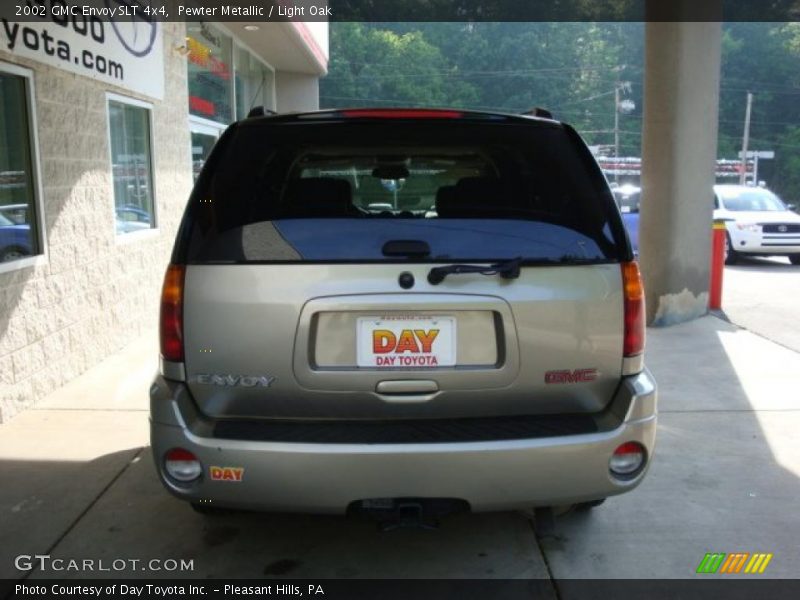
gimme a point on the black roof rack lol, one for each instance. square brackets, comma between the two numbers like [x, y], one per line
[260, 111]
[538, 112]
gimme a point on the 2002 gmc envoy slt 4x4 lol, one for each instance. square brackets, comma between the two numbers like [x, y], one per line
[375, 306]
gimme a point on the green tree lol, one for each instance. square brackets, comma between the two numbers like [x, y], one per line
[373, 66]
[570, 68]
[573, 70]
[786, 172]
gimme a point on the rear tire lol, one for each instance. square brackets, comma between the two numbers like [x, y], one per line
[584, 506]
[794, 259]
[731, 256]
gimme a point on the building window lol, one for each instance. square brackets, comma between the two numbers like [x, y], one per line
[20, 235]
[131, 165]
[203, 138]
[210, 68]
[254, 83]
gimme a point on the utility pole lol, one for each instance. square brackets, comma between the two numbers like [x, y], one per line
[616, 131]
[755, 168]
[620, 106]
[746, 139]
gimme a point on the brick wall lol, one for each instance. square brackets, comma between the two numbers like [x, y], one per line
[96, 292]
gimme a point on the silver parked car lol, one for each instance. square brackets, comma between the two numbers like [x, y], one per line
[367, 309]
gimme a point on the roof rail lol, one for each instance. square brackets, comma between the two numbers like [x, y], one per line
[260, 111]
[538, 112]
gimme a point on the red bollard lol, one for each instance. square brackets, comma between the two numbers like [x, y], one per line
[717, 265]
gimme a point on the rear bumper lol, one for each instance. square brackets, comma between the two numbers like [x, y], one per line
[326, 478]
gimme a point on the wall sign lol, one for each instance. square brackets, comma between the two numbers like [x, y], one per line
[120, 50]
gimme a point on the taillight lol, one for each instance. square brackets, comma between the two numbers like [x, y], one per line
[182, 465]
[401, 113]
[634, 309]
[171, 321]
[627, 460]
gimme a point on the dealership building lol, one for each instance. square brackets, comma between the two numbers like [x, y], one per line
[103, 126]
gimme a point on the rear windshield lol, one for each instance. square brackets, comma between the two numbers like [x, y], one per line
[430, 192]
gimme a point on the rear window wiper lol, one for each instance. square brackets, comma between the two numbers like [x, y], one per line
[507, 269]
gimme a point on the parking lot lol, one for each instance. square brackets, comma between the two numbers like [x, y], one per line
[79, 480]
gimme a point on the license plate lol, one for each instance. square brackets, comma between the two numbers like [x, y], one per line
[406, 342]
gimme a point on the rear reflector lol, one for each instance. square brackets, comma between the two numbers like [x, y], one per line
[402, 113]
[182, 465]
[627, 459]
[171, 321]
[634, 309]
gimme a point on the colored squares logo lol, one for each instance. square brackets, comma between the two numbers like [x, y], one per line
[734, 563]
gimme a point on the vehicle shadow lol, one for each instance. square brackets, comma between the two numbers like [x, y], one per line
[128, 516]
[762, 265]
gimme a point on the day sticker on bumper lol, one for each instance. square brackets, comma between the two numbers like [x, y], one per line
[226, 473]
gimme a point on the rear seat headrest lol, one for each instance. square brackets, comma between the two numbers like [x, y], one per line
[474, 197]
[445, 200]
[319, 197]
[489, 192]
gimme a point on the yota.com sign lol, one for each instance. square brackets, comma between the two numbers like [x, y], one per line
[113, 41]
